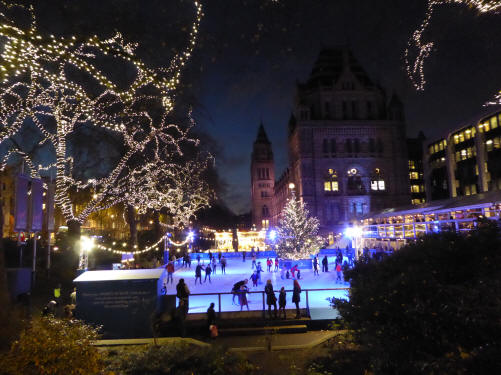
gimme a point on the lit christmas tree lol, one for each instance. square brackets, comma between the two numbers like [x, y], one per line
[297, 231]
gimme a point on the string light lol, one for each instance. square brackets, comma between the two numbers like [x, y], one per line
[415, 69]
[34, 71]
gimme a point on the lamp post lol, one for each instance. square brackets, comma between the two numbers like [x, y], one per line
[86, 245]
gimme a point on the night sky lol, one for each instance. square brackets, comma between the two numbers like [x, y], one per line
[251, 53]
[263, 51]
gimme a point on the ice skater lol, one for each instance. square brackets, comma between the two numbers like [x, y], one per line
[254, 278]
[268, 264]
[253, 261]
[338, 273]
[243, 256]
[208, 271]
[214, 265]
[315, 266]
[259, 269]
[242, 297]
[223, 265]
[236, 288]
[282, 272]
[198, 273]
[170, 271]
[276, 264]
[325, 264]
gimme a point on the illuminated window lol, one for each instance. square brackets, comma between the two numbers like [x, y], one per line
[413, 175]
[265, 224]
[494, 122]
[331, 183]
[377, 181]
[414, 188]
[412, 164]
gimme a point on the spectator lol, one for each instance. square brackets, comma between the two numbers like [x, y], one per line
[325, 264]
[282, 302]
[211, 317]
[183, 293]
[270, 298]
[296, 297]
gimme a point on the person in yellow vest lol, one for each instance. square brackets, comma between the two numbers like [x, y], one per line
[57, 293]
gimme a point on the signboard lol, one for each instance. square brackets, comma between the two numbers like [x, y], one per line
[36, 205]
[21, 212]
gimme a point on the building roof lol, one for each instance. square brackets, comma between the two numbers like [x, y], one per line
[331, 63]
[261, 135]
[444, 205]
[116, 275]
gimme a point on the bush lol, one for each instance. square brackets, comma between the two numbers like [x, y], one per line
[51, 346]
[179, 359]
[432, 307]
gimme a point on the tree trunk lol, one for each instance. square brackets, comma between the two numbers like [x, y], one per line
[157, 231]
[74, 233]
[131, 220]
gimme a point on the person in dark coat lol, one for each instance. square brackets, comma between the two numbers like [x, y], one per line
[208, 271]
[211, 317]
[282, 301]
[242, 297]
[254, 278]
[270, 298]
[223, 265]
[315, 265]
[236, 288]
[296, 297]
[183, 293]
[325, 264]
[198, 273]
[243, 256]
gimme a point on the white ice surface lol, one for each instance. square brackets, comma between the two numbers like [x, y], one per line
[237, 270]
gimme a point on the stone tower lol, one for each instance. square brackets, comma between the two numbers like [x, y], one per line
[262, 180]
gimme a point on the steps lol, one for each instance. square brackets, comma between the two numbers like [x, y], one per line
[245, 331]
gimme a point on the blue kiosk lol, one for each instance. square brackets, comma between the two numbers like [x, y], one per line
[123, 302]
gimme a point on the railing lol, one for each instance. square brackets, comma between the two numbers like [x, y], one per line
[263, 297]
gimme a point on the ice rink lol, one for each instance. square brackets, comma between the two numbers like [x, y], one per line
[237, 270]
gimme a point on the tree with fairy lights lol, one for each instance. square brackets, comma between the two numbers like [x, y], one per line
[297, 231]
[63, 88]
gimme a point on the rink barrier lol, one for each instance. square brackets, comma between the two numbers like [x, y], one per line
[264, 297]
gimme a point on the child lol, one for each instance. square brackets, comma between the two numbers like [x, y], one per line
[282, 302]
[254, 278]
[298, 274]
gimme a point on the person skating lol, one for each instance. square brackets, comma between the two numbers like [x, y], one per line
[338, 273]
[268, 264]
[170, 271]
[198, 273]
[210, 256]
[325, 264]
[315, 266]
[219, 256]
[254, 278]
[276, 264]
[298, 273]
[282, 272]
[259, 269]
[223, 265]
[214, 265]
[270, 298]
[208, 271]
[253, 261]
[183, 293]
[236, 288]
[188, 260]
[296, 297]
[198, 258]
[293, 272]
[242, 297]
[243, 256]
[282, 301]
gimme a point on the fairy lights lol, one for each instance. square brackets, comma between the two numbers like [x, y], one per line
[422, 49]
[37, 87]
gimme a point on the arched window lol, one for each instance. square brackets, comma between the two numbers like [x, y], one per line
[265, 211]
[355, 184]
[331, 183]
[377, 181]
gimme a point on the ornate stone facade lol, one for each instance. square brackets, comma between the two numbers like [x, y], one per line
[347, 146]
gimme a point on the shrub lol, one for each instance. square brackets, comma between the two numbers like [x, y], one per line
[52, 346]
[432, 307]
[178, 359]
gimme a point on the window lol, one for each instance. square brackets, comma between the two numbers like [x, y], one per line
[357, 145]
[265, 224]
[355, 181]
[333, 146]
[369, 110]
[325, 146]
[331, 183]
[413, 175]
[348, 146]
[380, 146]
[265, 211]
[267, 173]
[354, 109]
[372, 145]
[412, 164]
[377, 181]
[345, 111]
[414, 188]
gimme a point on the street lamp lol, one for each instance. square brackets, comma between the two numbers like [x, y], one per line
[291, 185]
[86, 245]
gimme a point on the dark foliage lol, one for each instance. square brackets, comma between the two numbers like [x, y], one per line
[432, 307]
